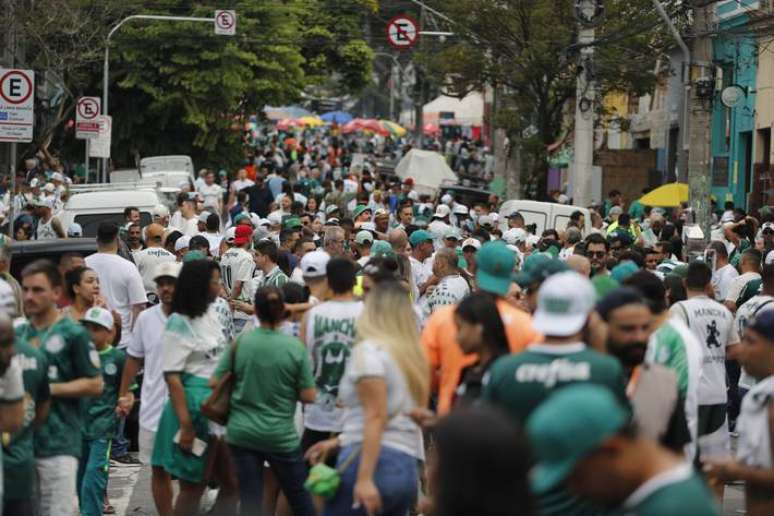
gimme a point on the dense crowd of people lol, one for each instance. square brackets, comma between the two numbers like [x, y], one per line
[312, 337]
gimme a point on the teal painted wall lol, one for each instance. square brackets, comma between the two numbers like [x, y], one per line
[732, 129]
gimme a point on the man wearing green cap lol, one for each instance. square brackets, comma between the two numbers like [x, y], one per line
[583, 438]
[421, 249]
[495, 263]
[537, 267]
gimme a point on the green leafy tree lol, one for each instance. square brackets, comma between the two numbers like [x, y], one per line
[529, 49]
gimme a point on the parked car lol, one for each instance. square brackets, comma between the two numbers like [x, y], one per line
[26, 252]
[466, 195]
[545, 215]
[89, 208]
[167, 170]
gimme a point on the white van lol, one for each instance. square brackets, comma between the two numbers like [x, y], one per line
[545, 215]
[90, 208]
[167, 170]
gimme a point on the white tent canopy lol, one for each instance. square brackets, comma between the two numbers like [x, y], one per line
[467, 111]
[428, 170]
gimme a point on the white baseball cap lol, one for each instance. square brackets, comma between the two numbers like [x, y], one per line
[369, 226]
[75, 230]
[442, 211]
[44, 202]
[563, 304]
[486, 220]
[167, 270]
[182, 243]
[767, 225]
[230, 235]
[160, 211]
[313, 264]
[99, 316]
[275, 218]
[203, 216]
[471, 242]
[447, 199]
[514, 235]
[460, 209]
[57, 176]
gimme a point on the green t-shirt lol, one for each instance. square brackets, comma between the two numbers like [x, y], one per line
[18, 449]
[70, 355]
[519, 383]
[99, 413]
[678, 492]
[271, 370]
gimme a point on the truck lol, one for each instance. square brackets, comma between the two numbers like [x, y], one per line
[545, 215]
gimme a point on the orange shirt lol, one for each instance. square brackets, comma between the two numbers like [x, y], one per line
[439, 339]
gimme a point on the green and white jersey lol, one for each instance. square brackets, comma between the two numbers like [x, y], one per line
[100, 419]
[192, 346]
[236, 265]
[330, 335]
[519, 383]
[274, 278]
[676, 492]
[18, 448]
[744, 316]
[70, 355]
[674, 346]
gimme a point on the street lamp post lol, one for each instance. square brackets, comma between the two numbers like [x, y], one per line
[106, 64]
[395, 63]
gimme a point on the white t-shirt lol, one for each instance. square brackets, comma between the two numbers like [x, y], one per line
[241, 184]
[212, 194]
[147, 261]
[713, 324]
[192, 346]
[237, 264]
[449, 291]
[189, 227]
[721, 281]
[420, 272]
[754, 446]
[146, 344]
[369, 360]
[329, 337]
[737, 284]
[121, 285]
[754, 306]
[214, 239]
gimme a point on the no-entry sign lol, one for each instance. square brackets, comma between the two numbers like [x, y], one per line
[17, 99]
[225, 23]
[86, 112]
[402, 32]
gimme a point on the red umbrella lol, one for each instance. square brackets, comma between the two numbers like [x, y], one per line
[285, 124]
[374, 126]
[350, 127]
[431, 129]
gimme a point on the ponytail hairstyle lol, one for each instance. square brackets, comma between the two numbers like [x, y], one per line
[270, 306]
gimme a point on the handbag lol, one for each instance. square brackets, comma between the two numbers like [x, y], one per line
[216, 406]
[324, 481]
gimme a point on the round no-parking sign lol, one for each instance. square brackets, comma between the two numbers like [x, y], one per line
[402, 32]
[17, 99]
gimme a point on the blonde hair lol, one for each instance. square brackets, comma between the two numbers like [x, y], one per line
[389, 321]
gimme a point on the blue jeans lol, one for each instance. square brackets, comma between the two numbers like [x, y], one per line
[290, 470]
[395, 478]
[120, 443]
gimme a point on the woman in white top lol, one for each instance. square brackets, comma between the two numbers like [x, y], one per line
[192, 343]
[386, 378]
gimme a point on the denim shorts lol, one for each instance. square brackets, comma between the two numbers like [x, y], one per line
[395, 478]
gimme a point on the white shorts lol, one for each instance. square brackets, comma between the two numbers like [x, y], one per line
[145, 440]
[56, 485]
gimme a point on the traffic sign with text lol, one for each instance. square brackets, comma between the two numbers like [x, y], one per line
[225, 23]
[17, 100]
[87, 110]
[402, 32]
[100, 146]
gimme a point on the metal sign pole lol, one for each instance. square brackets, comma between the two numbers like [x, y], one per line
[12, 194]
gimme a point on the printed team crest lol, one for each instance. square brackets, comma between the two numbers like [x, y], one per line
[330, 368]
[111, 369]
[54, 344]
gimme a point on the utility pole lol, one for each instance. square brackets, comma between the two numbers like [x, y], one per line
[700, 126]
[419, 92]
[588, 13]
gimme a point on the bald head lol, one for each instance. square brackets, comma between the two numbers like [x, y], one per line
[579, 264]
[398, 240]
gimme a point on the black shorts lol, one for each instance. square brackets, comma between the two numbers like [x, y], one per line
[312, 437]
[711, 418]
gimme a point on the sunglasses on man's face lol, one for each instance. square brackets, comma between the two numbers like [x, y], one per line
[597, 254]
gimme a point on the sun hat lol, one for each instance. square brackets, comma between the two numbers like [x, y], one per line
[99, 316]
[313, 264]
[359, 210]
[242, 235]
[567, 427]
[167, 270]
[495, 267]
[563, 304]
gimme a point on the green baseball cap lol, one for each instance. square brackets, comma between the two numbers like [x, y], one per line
[240, 217]
[603, 285]
[495, 264]
[359, 209]
[292, 223]
[537, 267]
[567, 427]
[381, 248]
[192, 256]
[623, 270]
[419, 236]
